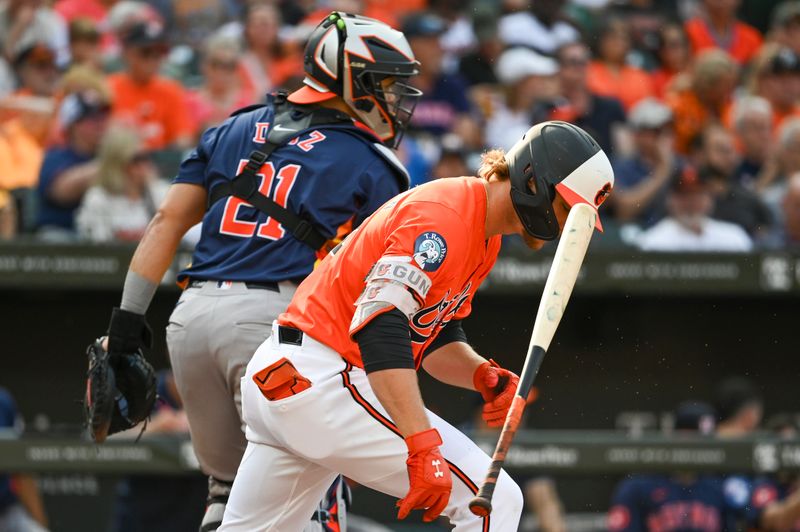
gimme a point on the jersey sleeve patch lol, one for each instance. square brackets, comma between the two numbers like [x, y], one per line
[392, 282]
[430, 250]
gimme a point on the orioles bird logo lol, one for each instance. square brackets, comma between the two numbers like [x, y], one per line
[602, 194]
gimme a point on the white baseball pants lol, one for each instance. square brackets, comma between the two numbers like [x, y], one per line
[297, 446]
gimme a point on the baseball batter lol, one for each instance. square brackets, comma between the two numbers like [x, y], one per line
[334, 389]
[322, 158]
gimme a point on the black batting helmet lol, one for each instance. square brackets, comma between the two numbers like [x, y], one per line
[556, 157]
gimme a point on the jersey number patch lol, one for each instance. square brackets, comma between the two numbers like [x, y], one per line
[270, 228]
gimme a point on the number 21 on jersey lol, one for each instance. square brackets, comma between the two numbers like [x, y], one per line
[270, 228]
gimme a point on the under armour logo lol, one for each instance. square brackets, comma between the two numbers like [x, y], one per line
[436, 464]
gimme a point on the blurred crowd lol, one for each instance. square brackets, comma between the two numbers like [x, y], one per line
[699, 109]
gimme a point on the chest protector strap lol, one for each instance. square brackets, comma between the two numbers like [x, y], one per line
[244, 186]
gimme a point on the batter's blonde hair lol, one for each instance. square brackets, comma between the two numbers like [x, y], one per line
[493, 163]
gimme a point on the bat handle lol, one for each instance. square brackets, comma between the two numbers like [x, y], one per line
[481, 504]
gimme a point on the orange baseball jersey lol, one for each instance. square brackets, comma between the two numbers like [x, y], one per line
[424, 252]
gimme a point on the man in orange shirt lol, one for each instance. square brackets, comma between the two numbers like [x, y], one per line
[154, 105]
[719, 28]
[335, 387]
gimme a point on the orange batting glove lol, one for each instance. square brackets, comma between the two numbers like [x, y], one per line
[497, 387]
[428, 476]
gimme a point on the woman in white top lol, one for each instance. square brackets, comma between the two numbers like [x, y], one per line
[127, 193]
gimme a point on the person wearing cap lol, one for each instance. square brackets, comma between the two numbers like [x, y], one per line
[36, 69]
[143, 99]
[643, 179]
[335, 389]
[785, 25]
[444, 107]
[542, 27]
[776, 77]
[25, 22]
[718, 27]
[528, 79]
[681, 501]
[317, 162]
[688, 226]
[69, 170]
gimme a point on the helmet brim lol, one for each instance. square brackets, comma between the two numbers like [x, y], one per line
[306, 95]
[572, 198]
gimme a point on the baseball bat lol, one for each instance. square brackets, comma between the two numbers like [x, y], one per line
[567, 262]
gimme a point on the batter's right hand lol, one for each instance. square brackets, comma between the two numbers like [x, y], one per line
[428, 476]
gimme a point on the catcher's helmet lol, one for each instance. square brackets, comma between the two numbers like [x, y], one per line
[556, 157]
[349, 56]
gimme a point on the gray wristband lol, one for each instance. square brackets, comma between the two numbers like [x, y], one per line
[137, 293]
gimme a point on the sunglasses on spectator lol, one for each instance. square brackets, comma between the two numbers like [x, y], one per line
[222, 64]
[140, 157]
[151, 52]
[575, 61]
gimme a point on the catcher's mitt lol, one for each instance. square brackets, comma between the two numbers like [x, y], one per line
[120, 391]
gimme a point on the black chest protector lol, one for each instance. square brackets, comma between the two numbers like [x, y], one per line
[294, 121]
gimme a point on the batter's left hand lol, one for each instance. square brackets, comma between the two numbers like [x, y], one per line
[497, 387]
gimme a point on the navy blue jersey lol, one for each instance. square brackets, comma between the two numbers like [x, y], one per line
[332, 175]
[663, 504]
[753, 495]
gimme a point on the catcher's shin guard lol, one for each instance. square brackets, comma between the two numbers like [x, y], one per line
[331, 515]
[218, 492]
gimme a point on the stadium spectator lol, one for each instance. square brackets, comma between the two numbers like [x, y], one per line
[21, 508]
[542, 27]
[785, 25]
[222, 91]
[682, 501]
[8, 216]
[707, 97]
[443, 107]
[789, 233]
[601, 117]
[718, 27]
[458, 37]
[154, 105]
[642, 181]
[84, 43]
[673, 58]
[24, 23]
[35, 66]
[739, 406]
[452, 160]
[22, 140]
[477, 66]
[776, 77]
[689, 227]
[771, 183]
[542, 498]
[732, 202]
[127, 192]
[95, 11]
[609, 74]
[268, 62]
[752, 123]
[527, 79]
[69, 170]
